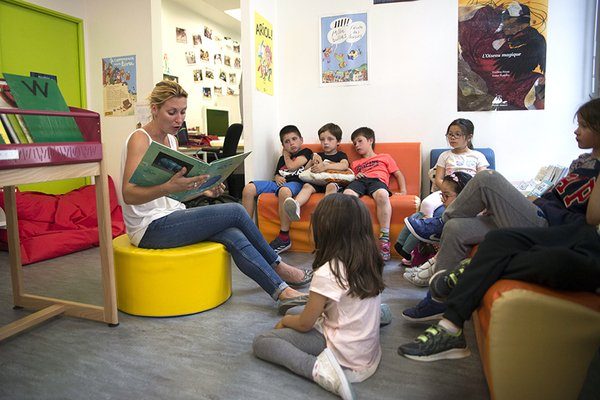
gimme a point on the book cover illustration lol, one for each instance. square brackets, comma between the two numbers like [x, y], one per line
[33, 93]
[160, 163]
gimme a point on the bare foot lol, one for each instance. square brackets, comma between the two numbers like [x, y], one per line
[289, 273]
[289, 293]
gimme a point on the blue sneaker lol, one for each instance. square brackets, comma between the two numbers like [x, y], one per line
[428, 230]
[426, 310]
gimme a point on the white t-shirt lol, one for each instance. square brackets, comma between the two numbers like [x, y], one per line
[350, 325]
[138, 217]
[468, 162]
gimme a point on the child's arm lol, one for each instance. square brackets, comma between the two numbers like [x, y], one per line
[338, 166]
[316, 159]
[294, 164]
[401, 181]
[305, 321]
[440, 172]
[592, 215]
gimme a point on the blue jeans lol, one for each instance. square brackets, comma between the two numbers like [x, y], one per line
[228, 224]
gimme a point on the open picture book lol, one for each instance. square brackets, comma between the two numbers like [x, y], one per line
[545, 179]
[160, 163]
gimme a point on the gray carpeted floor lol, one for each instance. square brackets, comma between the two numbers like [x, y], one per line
[201, 356]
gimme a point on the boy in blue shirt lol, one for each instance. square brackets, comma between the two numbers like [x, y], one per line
[285, 184]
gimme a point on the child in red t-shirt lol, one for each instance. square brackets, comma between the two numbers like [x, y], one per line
[373, 173]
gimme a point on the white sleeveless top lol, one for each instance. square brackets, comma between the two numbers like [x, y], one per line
[138, 217]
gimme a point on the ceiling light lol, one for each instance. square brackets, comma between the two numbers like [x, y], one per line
[235, 13]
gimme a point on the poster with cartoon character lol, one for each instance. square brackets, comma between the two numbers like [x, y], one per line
[344, 55]
[263, 54]
[502, 55]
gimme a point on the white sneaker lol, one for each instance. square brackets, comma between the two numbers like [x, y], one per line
[328, 374]
[420, 277]
[292, 209]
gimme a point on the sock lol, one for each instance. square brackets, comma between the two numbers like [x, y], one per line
[384, 234]
[284, 235]
[449, 327]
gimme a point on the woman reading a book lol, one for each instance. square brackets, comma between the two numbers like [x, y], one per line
[156, 221]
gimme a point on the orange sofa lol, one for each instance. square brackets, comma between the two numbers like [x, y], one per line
[408, 158]
[535, 342]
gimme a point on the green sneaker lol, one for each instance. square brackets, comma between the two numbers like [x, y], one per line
[436, 344]
[443, 282]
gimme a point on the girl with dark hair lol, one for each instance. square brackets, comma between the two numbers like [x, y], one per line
[460, 158]
[335, 340]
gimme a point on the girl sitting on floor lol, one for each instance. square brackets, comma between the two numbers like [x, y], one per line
[335, 340]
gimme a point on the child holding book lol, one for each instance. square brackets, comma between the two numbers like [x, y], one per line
[335, 340]
[373, 172]
[330, 158]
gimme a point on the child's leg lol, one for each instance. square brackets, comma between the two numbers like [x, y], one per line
[248, 196]
[384, 208]
[351, 192]
[294, 350]
[305, 193]
[331, 188]
[284, 220]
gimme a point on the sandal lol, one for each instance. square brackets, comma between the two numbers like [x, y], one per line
[308, 274]
[286, 304]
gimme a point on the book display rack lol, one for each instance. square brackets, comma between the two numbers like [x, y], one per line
[41, 162]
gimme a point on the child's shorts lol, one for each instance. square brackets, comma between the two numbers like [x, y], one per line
[368, 186]
[271, 187]
[322, 188]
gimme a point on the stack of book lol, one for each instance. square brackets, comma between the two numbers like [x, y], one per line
[545, 179]
[34, 93]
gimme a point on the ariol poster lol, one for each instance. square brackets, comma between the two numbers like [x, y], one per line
[264, 54]
[344, 49]
[502, 54]
[119, 85]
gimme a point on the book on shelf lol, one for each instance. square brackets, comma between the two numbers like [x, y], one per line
[160, 163]
[34, 93]
[14, 139]
[4, 134]
[15, 120]
[544, 180]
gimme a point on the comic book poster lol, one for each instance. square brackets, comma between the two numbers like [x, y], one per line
[264, 54]
[119, 85]
[501, 54]
[344, 52]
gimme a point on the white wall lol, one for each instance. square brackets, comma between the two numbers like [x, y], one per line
[174, 16]
[411, 95]
[261, 121]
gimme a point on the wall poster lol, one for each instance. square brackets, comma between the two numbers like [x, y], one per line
[263, 42]
[344, 50]
[119, 85]
[502, 54]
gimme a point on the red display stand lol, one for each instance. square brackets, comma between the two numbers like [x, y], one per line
[40, 162]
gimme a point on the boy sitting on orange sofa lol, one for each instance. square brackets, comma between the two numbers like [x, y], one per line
[373, 172]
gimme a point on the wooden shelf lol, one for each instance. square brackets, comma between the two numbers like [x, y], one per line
[26, 170]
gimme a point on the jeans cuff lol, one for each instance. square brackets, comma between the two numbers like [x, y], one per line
[277, 292]
[276, 262]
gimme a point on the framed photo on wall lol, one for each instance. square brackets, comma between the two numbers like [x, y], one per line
[344, 49]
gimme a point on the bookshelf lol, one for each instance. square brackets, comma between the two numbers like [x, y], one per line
[42, 162]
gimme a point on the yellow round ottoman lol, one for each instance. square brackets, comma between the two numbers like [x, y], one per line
[170, 282]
